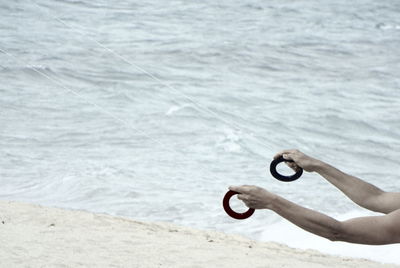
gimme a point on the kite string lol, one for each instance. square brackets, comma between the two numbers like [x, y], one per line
[102, 110]
[201, 107]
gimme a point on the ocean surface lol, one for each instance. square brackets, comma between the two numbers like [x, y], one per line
[151, 109]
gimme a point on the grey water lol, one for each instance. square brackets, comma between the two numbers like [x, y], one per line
[151, 109]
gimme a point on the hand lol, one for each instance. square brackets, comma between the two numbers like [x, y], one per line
[253, 196]
[300, 160]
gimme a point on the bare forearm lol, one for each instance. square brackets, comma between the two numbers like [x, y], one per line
[365, 230]
[375, 230]
[361, 192]
[307, 219]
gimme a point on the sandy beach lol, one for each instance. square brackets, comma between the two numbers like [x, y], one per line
[36, 236]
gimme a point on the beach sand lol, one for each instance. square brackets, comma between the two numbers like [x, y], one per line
[36, 236]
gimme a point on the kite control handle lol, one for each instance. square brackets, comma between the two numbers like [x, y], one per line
[272, 169]
[230, 212]
[274, 172]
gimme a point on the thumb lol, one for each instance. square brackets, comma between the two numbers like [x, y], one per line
[287, 156]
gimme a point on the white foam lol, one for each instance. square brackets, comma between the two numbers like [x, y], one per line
[230, 141]
[175, 109]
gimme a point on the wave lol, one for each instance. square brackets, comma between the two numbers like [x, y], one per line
[387, 26]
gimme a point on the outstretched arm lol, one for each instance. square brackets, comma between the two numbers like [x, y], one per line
[359, 191]
[376, 230]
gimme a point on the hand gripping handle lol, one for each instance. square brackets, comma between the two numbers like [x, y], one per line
[230, 212]
[272, 169]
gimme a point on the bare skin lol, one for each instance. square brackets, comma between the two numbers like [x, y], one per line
[375, 230]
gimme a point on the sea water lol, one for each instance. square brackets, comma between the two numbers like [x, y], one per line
[151, 109]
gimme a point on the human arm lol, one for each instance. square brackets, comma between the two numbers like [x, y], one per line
[376, 230]
[359, 191]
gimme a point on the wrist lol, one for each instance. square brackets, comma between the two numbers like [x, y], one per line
[272, 201]
[318, 166]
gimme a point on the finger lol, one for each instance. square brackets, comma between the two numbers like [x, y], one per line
[240, 189]
[235, 188]
[287, 156]
[292, 165]
[281, 153]
[278, 155]
[242, 197]
[249, 205]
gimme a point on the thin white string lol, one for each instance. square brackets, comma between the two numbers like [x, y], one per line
[230, 123]
[101, 109]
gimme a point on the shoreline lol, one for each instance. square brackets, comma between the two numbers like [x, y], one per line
[38, 236]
